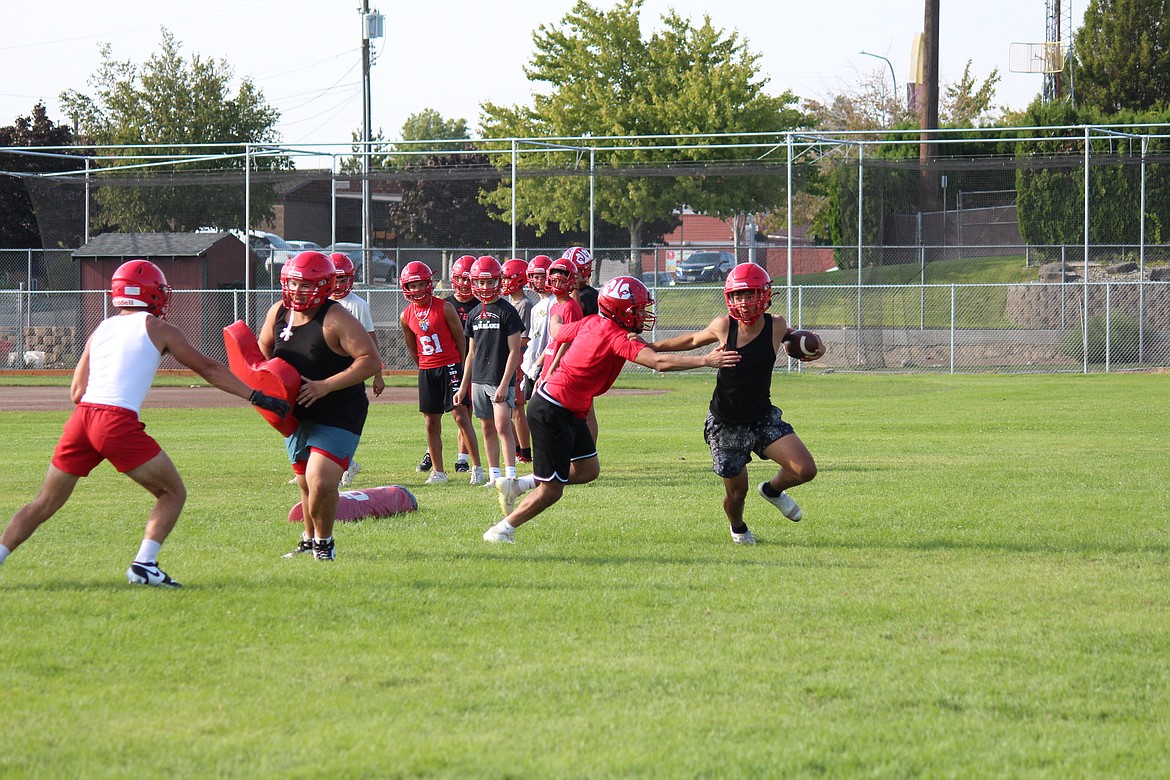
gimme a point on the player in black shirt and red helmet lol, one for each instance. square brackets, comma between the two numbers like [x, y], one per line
[742, 419]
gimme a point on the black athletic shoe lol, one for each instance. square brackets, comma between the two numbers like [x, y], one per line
[323, 551]
[306, 546]
[461, 467]
[425, 463]
[149, 573]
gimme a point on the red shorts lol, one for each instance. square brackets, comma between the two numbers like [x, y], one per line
[95, 433]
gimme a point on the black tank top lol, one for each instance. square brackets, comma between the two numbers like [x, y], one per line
[743, 393]
[306, 350]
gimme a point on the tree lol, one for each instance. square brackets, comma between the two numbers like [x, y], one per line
[1122, 52]
[18, 222]
[183, 103]
[606, 80]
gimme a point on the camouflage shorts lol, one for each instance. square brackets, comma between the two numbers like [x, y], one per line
[732, 444]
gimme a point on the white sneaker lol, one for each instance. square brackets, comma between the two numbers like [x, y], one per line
[436, 478]
[783, 502]
[346, 479]
[477, 477]
[354, 466]
[293, 481]
[745, 538]
[500, 532]
[509, 490]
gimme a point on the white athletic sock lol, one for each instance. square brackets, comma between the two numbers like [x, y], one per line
[148, 552]
[461, 457]
[510, 472]
[493, 474]
[526, 482]
[4, 551]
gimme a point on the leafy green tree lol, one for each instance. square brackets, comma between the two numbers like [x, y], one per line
[605, 79]
[182, 103]
[18, 222]
[1122, 55]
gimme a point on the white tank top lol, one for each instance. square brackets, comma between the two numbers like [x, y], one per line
[122, 362]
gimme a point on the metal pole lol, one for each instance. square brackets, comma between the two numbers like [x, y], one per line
[860, 212]
[952, 328]
[248, 234]
[1142, 261]
[333, 201]
[892, 78]
[514, 185]
[87, 200]
[1085, 269]
[592, 220]
[788, 272]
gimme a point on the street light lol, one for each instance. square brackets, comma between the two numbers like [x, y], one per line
[892, 77]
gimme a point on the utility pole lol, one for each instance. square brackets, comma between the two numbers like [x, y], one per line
[928, 136]
[366, 226]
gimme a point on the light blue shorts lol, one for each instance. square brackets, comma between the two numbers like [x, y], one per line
[337, 444]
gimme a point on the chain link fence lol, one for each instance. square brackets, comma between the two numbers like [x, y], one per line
[1025, 249]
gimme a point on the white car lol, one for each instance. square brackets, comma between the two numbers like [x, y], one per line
[271, 248]
[303, 246]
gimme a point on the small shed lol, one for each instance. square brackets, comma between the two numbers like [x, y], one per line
[203, 262]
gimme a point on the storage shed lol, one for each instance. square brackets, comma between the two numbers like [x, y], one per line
[203, 262]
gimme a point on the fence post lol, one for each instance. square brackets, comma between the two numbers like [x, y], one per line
[1142, 262]
[1108, 328]
[922, 288]
[952, 328]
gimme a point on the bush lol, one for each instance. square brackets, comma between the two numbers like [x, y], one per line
[1124, 340]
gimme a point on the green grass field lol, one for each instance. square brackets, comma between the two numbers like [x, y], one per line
[979, 589]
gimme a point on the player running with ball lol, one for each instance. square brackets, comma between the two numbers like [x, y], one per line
[742, 419]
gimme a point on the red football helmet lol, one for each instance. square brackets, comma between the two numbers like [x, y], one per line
[461, 275]
[583, 259]
[515, 276]
[486, 278]
[562, 277]
[314, 268]
[752, 279]
[416, 271]
[626, 301]
[140, 284]
[343, 282]
[537, 273]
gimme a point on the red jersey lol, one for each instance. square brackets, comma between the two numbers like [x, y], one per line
[569, 311]
[598, 350]
[436, 346]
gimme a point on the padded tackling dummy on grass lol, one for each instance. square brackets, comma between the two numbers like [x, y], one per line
[355, 505]
[274, 377]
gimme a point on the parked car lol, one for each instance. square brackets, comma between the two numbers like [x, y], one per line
[302, 246]
[273, 250]
[658, 279]
[706, 266]
[382, 266]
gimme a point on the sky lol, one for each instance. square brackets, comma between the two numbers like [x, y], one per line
[305, 55]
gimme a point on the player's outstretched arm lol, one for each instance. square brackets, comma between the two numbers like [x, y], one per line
[169, 338]
[716, 358]
[716, 331]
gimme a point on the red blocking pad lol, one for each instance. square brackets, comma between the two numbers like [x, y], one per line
[354, 505]
[273, 377]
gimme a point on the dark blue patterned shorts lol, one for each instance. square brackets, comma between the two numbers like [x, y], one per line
[732, 444]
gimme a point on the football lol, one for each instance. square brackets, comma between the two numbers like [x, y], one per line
[802, 345]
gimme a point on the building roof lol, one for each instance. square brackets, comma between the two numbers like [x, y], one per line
[151, 244]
